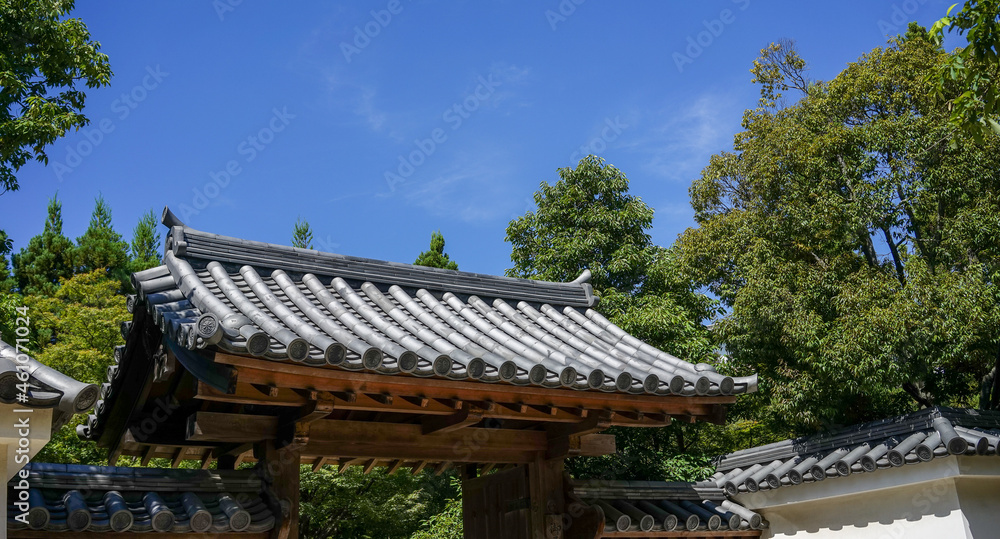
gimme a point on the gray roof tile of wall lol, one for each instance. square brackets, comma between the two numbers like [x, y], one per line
[68, 497]
[656, 506]
[46, 387]
[287, 304]
[910, 439]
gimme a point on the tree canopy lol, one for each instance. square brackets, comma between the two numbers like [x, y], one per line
[435, 257]
[101, 247]
[854, 248]
[145, 244]
[45, 59]
[586, 220]
[973, 69]
[47, 258]
[302, 235]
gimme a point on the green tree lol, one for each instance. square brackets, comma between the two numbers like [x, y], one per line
[6, 279]
[447, 524]
[435, 257]
[854, 249]
[47, 258]
[302, 235]
[589, 220]
[145, 244]
[101, 247]
[78, 330]
[354, 504]
[973, 68]
[586, 220]
[45, 59]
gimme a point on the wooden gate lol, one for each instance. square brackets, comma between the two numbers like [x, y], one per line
[497, 506]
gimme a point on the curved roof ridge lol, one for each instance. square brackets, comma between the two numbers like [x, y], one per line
[189, 243]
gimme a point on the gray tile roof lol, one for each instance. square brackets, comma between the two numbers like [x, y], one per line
[46, 387]
[656, 506]
[288, 304]
[69, 497]
[890, 443]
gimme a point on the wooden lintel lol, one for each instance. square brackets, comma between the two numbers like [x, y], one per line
[465, 417]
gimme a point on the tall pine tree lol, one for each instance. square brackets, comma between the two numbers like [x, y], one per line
[102, 247]
[435, 256]
[145, 244]
[47, 258]
[302, 235]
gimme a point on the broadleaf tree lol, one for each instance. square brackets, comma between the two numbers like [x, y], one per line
[974, 69]
[589, 219]
[46, 58]
[854, 248]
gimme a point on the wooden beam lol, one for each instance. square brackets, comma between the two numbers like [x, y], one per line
[346, 463]
[440, 468]
[421, 402]
[178, 457]
[270, 390]
[319, 463]
[419, 467]
[366, 440]
[487, 467]
[206, 459]
[466, 417]
[147, 455]
[394, 466]
[381, 398]
[250, 370]
[370, 465]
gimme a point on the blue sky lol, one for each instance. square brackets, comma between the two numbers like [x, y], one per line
[382, 121]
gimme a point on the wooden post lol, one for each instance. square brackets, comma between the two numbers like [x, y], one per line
[548, 505]
[280, 468]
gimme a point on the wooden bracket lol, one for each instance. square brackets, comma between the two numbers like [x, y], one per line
[469, 415]
[293, 426]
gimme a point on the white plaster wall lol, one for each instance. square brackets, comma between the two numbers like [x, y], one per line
[947, 498]
[925, 511]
